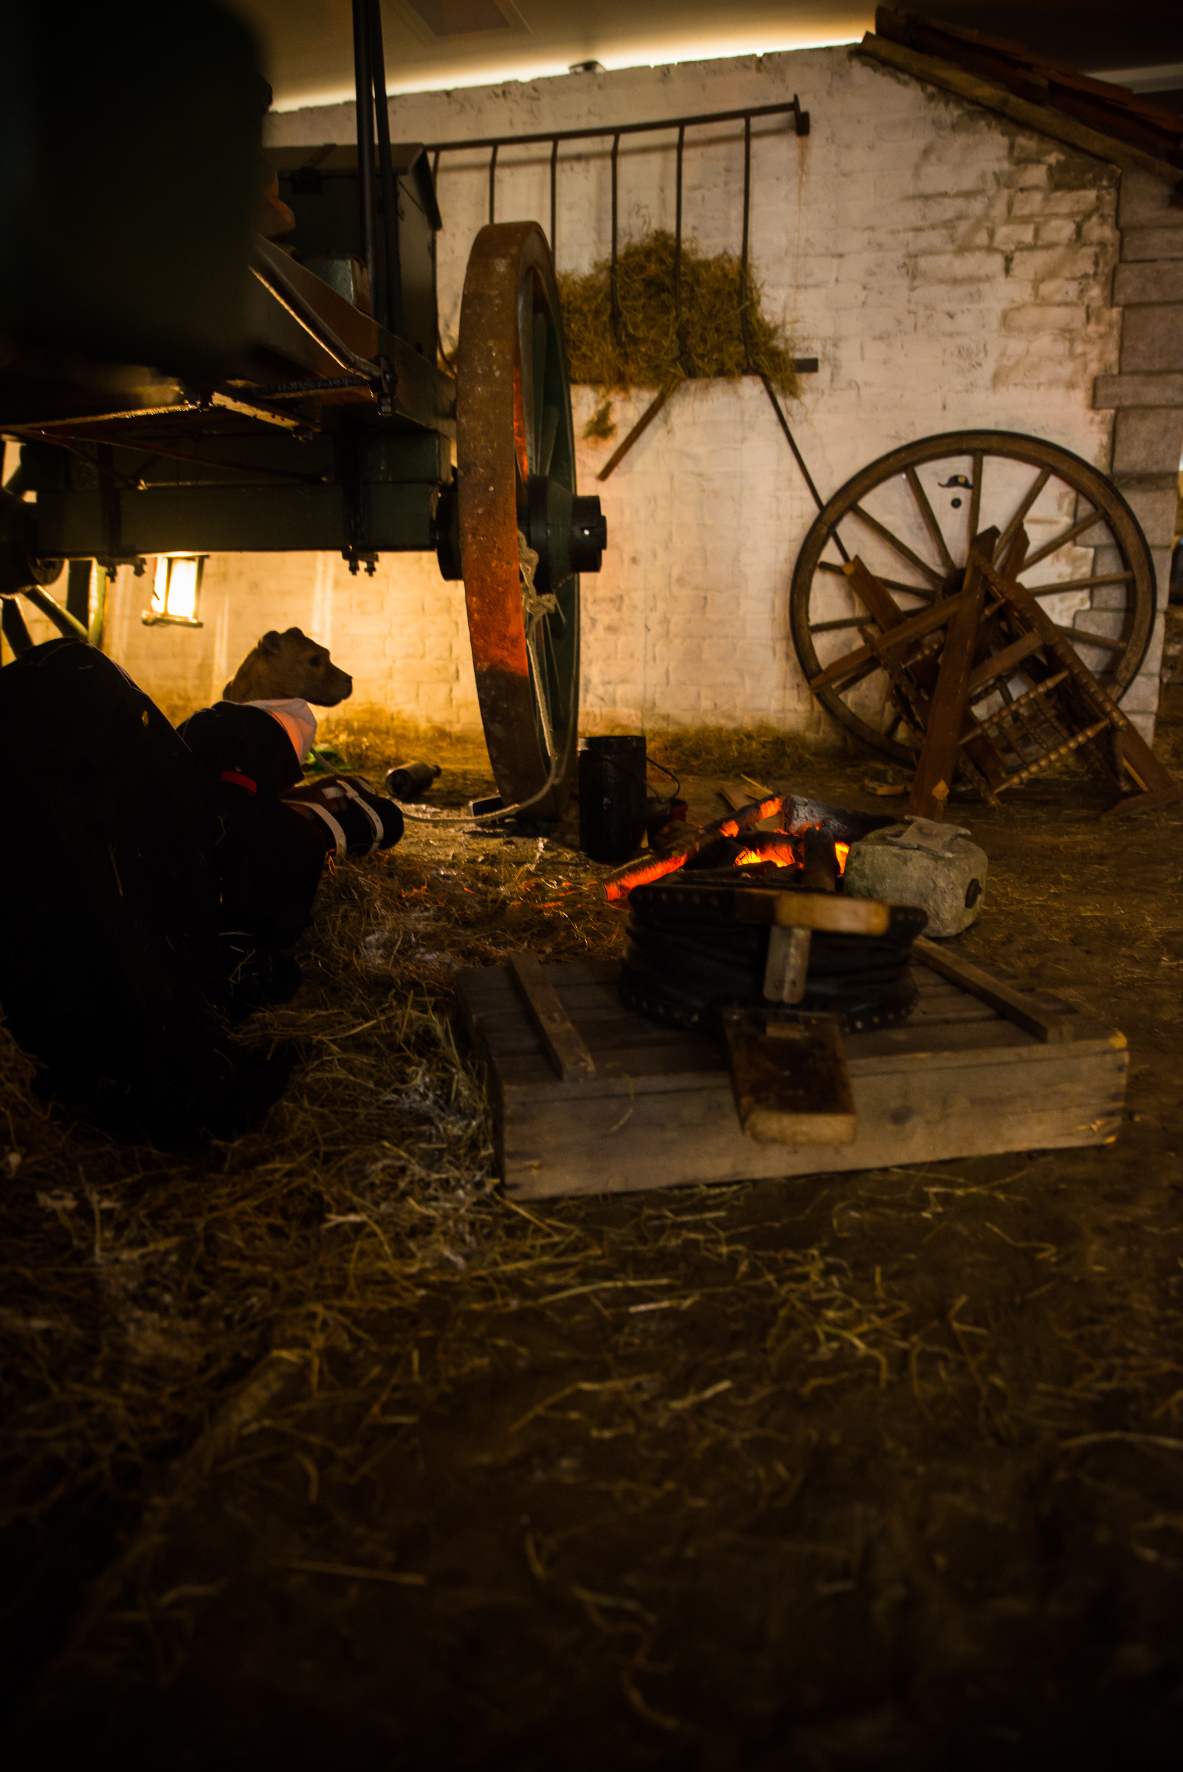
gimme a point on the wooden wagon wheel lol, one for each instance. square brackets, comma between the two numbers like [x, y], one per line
[516, 499]
[910, 517]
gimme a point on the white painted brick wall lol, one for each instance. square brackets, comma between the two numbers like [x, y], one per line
[948, 269]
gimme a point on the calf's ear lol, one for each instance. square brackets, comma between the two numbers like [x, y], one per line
[269, 644]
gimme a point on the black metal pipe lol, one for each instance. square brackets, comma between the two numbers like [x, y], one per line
[493, 184]
[363, 81]
[394, 276]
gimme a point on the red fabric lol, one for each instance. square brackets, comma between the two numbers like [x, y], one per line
[240, 781]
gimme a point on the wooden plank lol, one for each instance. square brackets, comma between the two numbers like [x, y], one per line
[1041, 118]
[916, 627]
[1015, 1005]
[790, 1080]
[1002, 664]
[562, 1039]
[874, 595]
[909, 1111]
[934, 769]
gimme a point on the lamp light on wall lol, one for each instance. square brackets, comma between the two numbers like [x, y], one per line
[175, 591]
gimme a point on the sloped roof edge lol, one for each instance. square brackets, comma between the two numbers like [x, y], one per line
[1040, 117]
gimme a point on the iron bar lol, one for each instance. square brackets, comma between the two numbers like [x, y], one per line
[390, 240]
[800, 460]
[576, 135]
[363, 80]
[642, 424]
[613, 292]
[681, 333]
[554, 186]
[493, 183]
[743, 253]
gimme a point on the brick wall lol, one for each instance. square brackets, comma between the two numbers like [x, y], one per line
[948, 270]
[1146, 395]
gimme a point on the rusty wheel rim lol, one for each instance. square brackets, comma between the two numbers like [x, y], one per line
[513, 421]
[907, 495]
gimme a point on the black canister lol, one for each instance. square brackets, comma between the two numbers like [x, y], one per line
[612, 796]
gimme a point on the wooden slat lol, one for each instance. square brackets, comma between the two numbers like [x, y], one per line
[1002, 664]
[1047, 1026]
[915, 627]
[946, 718]
[874, 595]
[790, 1080]
[562, 1039]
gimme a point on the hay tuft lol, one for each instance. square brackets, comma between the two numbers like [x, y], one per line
[762, 751]
[648, 349]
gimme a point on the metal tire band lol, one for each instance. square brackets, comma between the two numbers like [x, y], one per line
[689, 958]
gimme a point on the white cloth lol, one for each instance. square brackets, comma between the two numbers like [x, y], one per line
[297, 720]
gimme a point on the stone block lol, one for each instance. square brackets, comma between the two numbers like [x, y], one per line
[1056, 231]
[1038, 318]
[1143, 725]
[1142, 695]
[1110, 391]
[1152, 339]
[1155, 511]
[1011, 236]
[1158, 282]
[1145, 201]
[919, 862]
[1147, 440]
[1150, 243]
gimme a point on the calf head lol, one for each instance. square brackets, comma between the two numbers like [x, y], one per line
[287, 667]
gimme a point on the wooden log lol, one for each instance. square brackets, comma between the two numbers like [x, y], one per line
[563, 1041]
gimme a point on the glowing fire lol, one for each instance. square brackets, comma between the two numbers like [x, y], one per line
[781, 854]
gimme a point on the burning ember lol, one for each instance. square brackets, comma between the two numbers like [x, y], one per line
[782, 854]
[784, 848]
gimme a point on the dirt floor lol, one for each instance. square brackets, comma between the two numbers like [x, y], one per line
[318, 1451]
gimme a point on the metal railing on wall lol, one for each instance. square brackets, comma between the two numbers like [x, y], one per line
[615, 132]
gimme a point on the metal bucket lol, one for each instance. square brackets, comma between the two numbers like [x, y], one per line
[612, 796]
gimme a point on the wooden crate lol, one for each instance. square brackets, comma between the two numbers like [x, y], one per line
[959, 1079]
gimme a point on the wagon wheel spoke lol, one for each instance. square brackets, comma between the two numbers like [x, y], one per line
[1020, 515]
[892, 584]
[1077, 584]
[901, 547]
[1062, 540]
[977, 475]
[928, 518]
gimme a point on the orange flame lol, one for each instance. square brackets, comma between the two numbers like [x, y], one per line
[842, 850]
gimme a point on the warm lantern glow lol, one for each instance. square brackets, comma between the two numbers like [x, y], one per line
[175, 589]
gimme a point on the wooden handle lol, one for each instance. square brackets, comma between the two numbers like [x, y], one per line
[824, 911]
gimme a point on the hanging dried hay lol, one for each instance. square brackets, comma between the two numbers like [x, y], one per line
[648, 348]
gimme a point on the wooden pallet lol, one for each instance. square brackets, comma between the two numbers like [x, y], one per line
[967, 1075]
